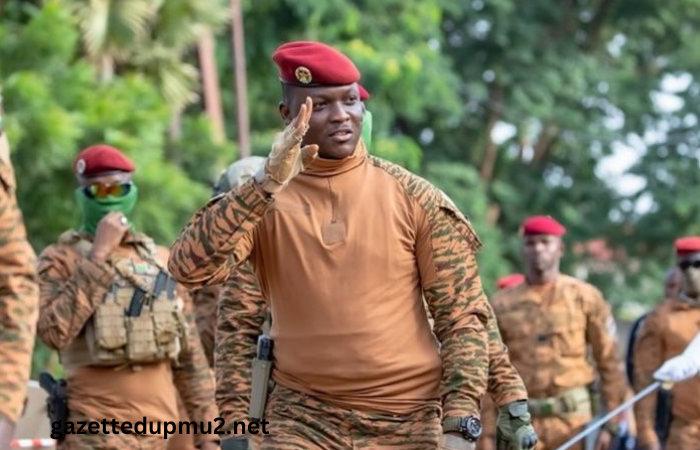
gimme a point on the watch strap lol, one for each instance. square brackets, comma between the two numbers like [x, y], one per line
[452, 424]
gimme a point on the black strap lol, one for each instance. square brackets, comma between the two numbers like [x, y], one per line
[171, 285]
[136, 305]
[161, 280]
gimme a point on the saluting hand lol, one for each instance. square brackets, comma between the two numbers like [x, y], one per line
[109, 234]
[287, 157]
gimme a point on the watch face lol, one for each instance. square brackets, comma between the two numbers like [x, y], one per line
[472, 427]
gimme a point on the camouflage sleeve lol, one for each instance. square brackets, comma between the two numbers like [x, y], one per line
[206, 301]
[242, 311]
[70, 289]
[648, 356]
[19, 296]
[193, 378]
[218, 237]
[601, 334]
[505, 384]
[446, 247]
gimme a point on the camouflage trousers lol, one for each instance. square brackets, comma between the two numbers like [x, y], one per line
[299, 421]
[110, 441]
[552, 432]
[683, 435]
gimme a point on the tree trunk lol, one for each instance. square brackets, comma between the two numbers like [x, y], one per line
[488, 164]
[596, 28]
[240, 79]
[106, 69]
[548, 137]
[210, 86]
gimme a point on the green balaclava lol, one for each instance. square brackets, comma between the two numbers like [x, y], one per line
[367, 129]
[92, 210]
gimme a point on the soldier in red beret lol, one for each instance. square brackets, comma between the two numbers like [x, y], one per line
[121, 324]
[548, 323]
[665, 334]
[346, 246]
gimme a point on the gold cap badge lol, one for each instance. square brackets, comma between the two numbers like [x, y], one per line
[303, 74]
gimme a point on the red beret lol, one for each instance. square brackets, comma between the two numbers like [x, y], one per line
[689, 244]
[511, 280]
[312, 64]
[101, 158]
[543, 225]
[364, 94]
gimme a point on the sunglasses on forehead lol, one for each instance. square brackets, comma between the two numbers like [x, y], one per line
[685, 265]
[102, 190]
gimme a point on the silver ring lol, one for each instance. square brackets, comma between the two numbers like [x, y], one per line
[124, 220]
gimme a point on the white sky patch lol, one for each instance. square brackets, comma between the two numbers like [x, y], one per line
[502, 131]
[613, 169]
[666, 102]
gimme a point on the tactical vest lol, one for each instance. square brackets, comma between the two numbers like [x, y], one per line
[140, 319]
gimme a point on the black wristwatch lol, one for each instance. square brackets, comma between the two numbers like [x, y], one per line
[468, 427]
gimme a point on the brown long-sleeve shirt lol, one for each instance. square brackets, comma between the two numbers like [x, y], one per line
[242, 312]
[345, 254]
[72, 287]
[666, 332]
[549, 330]
[19, 295]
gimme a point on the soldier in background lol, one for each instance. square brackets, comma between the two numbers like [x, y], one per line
[124, 329]
[672, 281]
[665, 334]
[548, 324]
[19, 298]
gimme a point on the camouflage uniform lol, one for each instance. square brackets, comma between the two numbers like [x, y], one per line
[548, 330]
[19, 294]
[227, 232]
[299, 420]
[665, 333]
[72, 287]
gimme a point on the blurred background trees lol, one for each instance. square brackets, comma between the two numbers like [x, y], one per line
[583, 109]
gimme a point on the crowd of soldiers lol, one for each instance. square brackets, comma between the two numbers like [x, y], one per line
[364, 278]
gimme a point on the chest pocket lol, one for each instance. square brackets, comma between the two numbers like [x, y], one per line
[567, 328]
[519, 328]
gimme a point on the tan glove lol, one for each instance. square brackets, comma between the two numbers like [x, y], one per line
[287, 157]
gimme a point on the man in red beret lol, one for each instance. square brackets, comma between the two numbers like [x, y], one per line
[665, 334]
[19, 299]
[123, 327]
[548, 323]
[346, 246]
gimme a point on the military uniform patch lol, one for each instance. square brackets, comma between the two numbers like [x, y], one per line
[303, 75]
